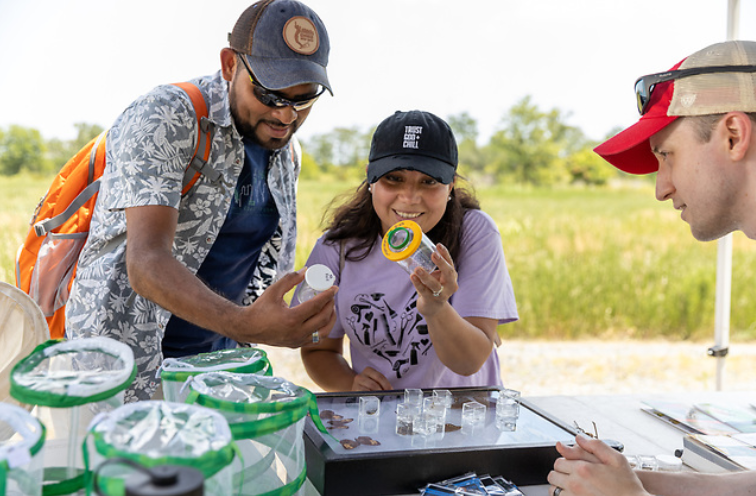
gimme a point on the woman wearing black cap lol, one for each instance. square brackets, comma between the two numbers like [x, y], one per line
[425, 330]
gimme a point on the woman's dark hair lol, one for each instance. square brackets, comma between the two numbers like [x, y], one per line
[355, 219]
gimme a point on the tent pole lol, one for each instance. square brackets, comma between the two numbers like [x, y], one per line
[724, 253]
[722, 308]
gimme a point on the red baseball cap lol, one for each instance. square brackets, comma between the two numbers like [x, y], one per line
[630, 151]
[727, 87]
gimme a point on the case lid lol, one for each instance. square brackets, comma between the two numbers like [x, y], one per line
[61, 374]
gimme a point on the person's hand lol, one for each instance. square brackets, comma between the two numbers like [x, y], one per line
[370, 380]
[592, 468]
[270, 321]
[434, 289]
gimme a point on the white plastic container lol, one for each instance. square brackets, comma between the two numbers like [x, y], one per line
[22, 453]
[174, 372]
[70, 382]
[153, 433]
[318, 278]
[266, 416]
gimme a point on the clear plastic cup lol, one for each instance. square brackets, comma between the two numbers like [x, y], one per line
[414, 396]
[444, 396]
[473, 417]
[506, 415]
[406, 414]
[507, 409]
[370, 406]
[434, 413]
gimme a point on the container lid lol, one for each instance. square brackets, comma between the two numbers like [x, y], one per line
[248, 389]
[282, 402]
[401, 240]
[61, 374]
[243, 360]
[319, 277]
[155, 433]
[22, 435]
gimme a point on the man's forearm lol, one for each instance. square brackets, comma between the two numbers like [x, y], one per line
[168, 283]
[695, 484]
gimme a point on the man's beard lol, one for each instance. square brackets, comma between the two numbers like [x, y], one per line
[250, 132]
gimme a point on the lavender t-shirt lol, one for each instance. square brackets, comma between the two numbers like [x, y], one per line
[376, 308]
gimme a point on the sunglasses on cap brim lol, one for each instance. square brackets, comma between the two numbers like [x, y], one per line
[272, 100]
[644, 86]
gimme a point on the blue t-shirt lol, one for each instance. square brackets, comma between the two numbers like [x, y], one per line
[227, 269]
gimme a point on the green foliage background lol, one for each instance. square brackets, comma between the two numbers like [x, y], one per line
[590, 251]
[585, 262]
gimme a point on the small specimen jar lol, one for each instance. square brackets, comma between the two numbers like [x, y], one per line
[414, 396]
[370, 406]
[406, 244]
[473, 417]
[507, 409]
[318, 278]
[444, 396]
[406, 414]
[435, 411]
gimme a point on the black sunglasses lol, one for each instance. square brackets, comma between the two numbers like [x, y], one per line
[271, 99]
[644, 86]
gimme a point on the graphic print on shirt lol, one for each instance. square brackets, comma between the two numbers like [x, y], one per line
[252, 195]
[396, 335]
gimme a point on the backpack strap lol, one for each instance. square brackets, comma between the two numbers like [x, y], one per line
[93, 186]
[198, 164]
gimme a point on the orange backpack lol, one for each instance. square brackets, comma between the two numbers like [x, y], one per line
[46, 261]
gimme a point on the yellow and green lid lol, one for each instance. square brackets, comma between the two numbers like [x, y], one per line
[401, 240]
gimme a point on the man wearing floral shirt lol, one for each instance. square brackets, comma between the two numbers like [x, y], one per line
[174, 275]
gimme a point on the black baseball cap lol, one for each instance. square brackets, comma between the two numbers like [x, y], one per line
[413, 140]
[285, 43]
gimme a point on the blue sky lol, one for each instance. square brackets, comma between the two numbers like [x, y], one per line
[72, 61]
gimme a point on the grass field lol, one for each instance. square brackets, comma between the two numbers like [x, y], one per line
[606, 263]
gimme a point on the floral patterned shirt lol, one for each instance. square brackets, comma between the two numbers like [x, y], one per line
[148, 149]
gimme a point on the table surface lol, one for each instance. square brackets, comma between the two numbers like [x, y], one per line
[619, 417]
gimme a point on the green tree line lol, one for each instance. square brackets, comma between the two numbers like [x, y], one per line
[24, 149]
[530, 146]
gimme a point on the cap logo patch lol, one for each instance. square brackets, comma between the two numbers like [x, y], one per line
[688, 100]
[301, 35]
[412, 136]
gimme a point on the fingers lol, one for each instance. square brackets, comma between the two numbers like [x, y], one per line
[575, 452]
[446, 273]
[371, 380]
[556, 479]
[287, 283]
[600, 450]
[443, 254]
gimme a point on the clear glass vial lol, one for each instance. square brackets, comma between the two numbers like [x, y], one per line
[406, 244]
[317, 279]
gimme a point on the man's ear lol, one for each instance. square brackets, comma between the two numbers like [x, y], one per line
[228, 63]
[739, 128]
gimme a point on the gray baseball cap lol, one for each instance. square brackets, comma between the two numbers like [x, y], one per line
[285, 43]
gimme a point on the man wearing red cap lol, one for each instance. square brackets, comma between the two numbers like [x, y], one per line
[698, 132]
